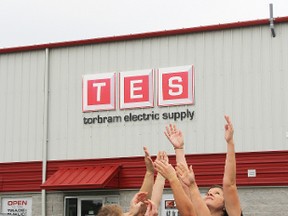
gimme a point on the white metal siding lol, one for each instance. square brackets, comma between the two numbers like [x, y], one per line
[241, 72]
[21, 110]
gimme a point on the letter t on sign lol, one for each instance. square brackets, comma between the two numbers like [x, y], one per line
[98, 92]
[176, 86]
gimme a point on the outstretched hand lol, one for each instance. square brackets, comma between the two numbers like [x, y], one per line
[148, 161]
[229, 130]
[175, 136]
[151, 208]
[165, 169]
[162, 156]
[186, 175]
[138, 200]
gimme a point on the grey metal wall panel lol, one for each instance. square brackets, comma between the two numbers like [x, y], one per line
[241, 72]
[21, 110]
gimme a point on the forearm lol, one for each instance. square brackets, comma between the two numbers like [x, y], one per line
[229, 178]
[180, 155]
[180, 158]
[158, 190]
[232, 201]
[148, 183]
[183, 203]
[198, 202]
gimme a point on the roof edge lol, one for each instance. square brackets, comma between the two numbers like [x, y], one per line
[145, 35]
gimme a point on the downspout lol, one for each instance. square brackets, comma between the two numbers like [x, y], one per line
[45, 133]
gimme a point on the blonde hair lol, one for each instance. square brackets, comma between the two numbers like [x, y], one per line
[110, 210]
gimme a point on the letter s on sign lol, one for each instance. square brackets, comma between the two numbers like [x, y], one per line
[172, 85]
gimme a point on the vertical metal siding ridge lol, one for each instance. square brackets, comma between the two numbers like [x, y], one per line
[145, 35]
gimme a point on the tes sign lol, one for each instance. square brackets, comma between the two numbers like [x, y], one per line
[175, 86]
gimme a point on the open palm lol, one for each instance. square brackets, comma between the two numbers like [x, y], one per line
[175, 136]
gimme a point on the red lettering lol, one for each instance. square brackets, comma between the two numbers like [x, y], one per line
[17, 202]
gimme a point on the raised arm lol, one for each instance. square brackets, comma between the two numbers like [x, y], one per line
[136, 203]
[188, 177]
[175, 136]
[183, 203]
[232, 201]
[151, 209]
[148, 181]
[159, 182]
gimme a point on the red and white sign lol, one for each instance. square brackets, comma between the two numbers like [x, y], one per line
[176, 86]
[136, 89]
[17, 206]
[99, 92]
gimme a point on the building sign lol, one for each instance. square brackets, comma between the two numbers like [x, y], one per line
[145, 116]
[17, 206]
[99, 92]
[168, 205]
[136, 89]
[175, 86]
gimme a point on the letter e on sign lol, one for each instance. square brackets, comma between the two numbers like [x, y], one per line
[176, 86]
[136, 89]
[98, 92]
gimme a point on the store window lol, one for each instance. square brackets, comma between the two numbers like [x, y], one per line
[87, 206]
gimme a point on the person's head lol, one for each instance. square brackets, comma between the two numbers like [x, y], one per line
[110, 210]
[214, 199]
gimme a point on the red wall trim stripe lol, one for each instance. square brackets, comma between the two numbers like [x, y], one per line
[271, 170]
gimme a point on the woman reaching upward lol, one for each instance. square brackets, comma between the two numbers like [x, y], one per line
[219, 200]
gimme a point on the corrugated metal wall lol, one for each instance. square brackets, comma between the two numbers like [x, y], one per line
[242, 72]
[22, 105]
[271, 169]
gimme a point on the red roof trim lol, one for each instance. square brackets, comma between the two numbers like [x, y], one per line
[81, 177]
[145, 35]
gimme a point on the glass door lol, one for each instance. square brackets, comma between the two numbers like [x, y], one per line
[89, 206]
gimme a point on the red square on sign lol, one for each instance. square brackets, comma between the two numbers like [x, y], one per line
[136, 89]
[175, 85]
[98, 92]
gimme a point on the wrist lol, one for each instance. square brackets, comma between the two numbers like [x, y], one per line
[181, 147]
[193, 185]
[230, 141]
[172, 179]
[148, 173]
[160, 177]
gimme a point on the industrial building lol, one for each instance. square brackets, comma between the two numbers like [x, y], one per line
[66, 151]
